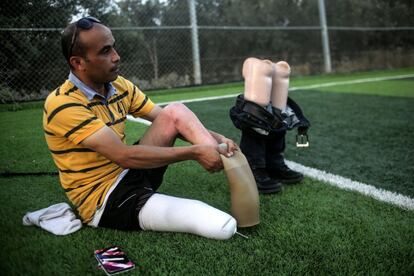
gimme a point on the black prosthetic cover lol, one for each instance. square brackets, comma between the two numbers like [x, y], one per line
[253, 145]
[263, 151]
[275, 145]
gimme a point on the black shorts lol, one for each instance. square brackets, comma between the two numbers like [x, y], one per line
[126, 200]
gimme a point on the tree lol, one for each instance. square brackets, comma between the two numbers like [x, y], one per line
[30, 55]
[27, 54]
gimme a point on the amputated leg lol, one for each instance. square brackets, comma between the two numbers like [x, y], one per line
[172, 214]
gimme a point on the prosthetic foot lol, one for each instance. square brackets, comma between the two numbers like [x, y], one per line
[285, 175]
[255, 148]
[243, 190]
[265, 183]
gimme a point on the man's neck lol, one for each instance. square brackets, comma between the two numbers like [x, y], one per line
[97, 87]
[90, 91]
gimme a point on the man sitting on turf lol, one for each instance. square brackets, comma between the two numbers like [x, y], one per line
[113, 184]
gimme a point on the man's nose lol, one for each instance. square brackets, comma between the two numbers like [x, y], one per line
[115, 57]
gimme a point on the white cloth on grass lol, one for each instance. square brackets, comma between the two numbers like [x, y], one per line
[58, 219]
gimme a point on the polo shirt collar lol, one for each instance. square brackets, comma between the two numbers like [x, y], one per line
[89, 92]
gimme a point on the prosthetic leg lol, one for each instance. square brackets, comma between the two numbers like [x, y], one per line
[263, 114]
[263, 86]
[244, 195]
[275, 164]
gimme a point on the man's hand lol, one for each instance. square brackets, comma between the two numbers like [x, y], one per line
[231, 145]
[209, 158]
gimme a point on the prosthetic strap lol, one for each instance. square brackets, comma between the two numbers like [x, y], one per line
[300, 121]
[247, 115]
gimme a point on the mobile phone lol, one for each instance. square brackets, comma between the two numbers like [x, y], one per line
[113, 260]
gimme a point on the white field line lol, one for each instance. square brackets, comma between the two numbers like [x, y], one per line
[332, 179]
[139, 120]
[338, 83]
[306, 87]
[348, 184]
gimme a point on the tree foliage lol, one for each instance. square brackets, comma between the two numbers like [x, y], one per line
[31, 60]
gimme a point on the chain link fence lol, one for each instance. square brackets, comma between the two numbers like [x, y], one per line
[149, 60]
[154, 40]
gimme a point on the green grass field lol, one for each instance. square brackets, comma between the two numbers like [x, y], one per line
[361, 131]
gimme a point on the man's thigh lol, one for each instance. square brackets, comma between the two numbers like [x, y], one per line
[161, 132]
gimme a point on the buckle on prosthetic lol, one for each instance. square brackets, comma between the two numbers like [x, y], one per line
[296, 118]
[302, 139]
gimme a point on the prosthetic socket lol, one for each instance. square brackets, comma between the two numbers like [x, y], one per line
[244, 195]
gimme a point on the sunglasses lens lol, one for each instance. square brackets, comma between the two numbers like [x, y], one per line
[93, 19]
[87, 22]
[84, 23]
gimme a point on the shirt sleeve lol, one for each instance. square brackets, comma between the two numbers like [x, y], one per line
[141, 104]
[73, 120]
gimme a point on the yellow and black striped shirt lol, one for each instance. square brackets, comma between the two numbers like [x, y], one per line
[69, 117]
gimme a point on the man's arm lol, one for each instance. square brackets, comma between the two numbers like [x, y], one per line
[107, 143]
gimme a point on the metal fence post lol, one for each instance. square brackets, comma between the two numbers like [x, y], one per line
[194, 42]
[325, 36]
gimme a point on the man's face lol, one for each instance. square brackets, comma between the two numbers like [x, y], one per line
[101, 64]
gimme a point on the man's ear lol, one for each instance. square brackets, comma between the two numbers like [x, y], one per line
[77, 63]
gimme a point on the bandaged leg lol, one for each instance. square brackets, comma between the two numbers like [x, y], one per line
[280, 84]
[258, 80]
[172, 214]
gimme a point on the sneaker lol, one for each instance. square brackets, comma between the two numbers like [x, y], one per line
[285, 175]
[265, 184]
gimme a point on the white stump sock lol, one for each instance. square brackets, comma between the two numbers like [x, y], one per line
[173, 214]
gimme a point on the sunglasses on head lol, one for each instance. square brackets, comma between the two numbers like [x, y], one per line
[85, 24]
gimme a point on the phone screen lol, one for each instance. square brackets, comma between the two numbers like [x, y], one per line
[113, 260]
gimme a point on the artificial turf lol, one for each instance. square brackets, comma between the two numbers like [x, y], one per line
[311, 228]
[308, 229]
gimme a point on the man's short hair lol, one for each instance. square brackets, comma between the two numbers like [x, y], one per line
[71, 44]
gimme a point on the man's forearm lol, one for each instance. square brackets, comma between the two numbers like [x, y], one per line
[218, 137]
[143, 156]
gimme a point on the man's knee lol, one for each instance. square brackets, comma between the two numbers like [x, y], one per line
[176, 112]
